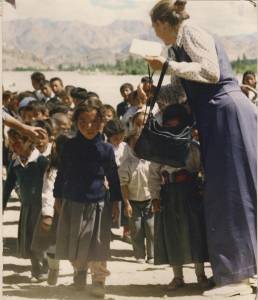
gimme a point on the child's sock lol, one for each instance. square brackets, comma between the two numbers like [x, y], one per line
[178, 271]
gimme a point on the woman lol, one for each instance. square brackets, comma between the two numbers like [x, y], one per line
[226, 122]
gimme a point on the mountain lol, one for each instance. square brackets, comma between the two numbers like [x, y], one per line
[48, 44]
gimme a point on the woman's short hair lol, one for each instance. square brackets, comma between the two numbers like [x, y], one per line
[171, 11]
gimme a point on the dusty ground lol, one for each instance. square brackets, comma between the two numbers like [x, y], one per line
[128, 280]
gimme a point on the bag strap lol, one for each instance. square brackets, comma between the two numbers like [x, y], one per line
[162, 74]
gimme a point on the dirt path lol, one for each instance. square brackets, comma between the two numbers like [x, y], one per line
[128, 280]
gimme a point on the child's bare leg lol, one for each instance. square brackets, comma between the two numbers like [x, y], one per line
[178, 271]
[199, 269]
[99, 271]
[80, 273]
[201, 277]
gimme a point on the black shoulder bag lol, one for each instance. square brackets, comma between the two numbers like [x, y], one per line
[158, 145]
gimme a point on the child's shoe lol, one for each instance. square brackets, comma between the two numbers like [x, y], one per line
[175, 284]
[52, 276]
[140, 260]
[79, 279]
[204, 282]
[36, 278]
[150, 261]
[98, 289]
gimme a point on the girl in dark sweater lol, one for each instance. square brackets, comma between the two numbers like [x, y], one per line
[83, 233]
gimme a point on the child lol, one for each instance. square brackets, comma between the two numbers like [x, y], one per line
[123, 106]
[28, 170]
[83, 233]
[179, 222]
[138, 120]
[110, 113]
[115, 133]
[137, 104]
[26, 110]
[57, 86]
[36, 79]
[44, 238]
[61, 124]
[40, 110]
[79, 95]
[146, 88]
[249, 85]
[44, 144]
[134, 173]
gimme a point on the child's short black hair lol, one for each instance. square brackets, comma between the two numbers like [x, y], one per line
[109, 107]
[44, 82]
[176, 111]
[94, 101]
[38, 77]
[56, 79]
[146, 79]
[86, 107]
[92, 95]
[248, 73]
[7, 95]
[59, 108]
[45, 124]
[79, 93]
[126, 85]
[38, 106]
[68, 89]
[17, 135]
[113, 127]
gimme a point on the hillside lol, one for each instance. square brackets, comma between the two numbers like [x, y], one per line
[48, 44]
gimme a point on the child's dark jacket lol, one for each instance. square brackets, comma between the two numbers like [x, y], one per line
[28, 177]
[83, 167]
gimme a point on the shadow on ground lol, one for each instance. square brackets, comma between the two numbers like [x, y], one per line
[69, 293]
[10, 247]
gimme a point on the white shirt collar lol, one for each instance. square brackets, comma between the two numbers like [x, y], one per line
[33, 157]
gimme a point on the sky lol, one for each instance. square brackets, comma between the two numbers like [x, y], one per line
[222, 17]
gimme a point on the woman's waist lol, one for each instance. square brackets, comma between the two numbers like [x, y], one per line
[179, 176]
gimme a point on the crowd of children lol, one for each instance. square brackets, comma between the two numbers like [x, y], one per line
[82, 178]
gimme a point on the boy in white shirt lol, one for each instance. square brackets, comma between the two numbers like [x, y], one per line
[134, 173]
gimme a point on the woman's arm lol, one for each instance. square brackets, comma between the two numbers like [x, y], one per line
[31, 131]
[200, 47]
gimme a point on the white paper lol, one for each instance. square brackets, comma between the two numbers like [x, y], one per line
[145, 48]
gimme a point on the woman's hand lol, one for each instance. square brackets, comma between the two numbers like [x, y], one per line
[46, 223]
[155, 205]
[33, 132]
[128, 211]
[155, 62]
